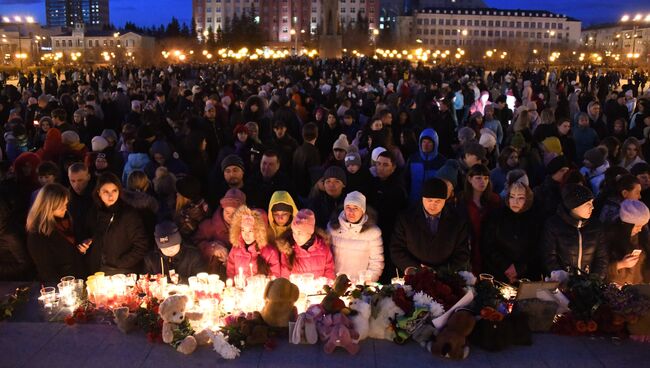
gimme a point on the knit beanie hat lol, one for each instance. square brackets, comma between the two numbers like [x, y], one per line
[518, 141]
[232, 160]
[189, 187]
[466, 134]
[336, 173]
[376, 152]
[356, 198]
[449, 172]
[517, 176]
[634, 212]
[353, 158]
[98, 143]
[305, 221]
[553, 145]
[434, 188]
[556, 164]
[341, 143]
[233, 198]
[575, 195]
[596, 156]
[69, 137]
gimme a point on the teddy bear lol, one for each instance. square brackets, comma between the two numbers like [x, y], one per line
[451, 342]
[332, 302]
[176, 329]
[254, 329]
[280, 295]
[384, 313]
[125, 321]
[337, 330]
[360, 317]
[304, 330]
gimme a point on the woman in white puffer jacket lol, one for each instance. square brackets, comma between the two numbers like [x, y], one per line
[356, 240]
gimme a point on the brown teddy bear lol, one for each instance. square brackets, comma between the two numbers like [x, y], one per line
[451, 342]
[124, 320]
[280, 295]
[176, 329]
[332, 302]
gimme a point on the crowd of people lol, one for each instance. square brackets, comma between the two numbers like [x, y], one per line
[369, 168]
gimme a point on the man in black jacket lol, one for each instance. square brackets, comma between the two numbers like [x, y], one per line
[571, 240]
[548, 195]
[172, 258]
[430, 234]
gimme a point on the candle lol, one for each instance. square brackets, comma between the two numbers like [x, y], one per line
[250, 266]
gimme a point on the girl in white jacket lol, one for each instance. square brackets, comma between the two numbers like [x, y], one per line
[356, 240]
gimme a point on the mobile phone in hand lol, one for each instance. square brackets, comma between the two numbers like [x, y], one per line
[637, 252]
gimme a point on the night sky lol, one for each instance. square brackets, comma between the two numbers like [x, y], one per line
[141, 12]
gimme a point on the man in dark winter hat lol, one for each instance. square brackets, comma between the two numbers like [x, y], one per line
[571, 240]
[431, 234]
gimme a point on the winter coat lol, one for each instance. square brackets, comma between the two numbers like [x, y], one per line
[212, 230]
[325, 207]
[413, 244]
[146, 205]
[79, 208]
[15, 263]
[190, 217]
[595, 177]
[477, 218]
[262, 190]
[548, 197]
[187, 262]
[585, 139]
[52, 148]
[244, 257]
[305, 167]
[610, 212]
[357, 247]
[423, 166]
[629, 166]
[511, 239]
[360, 181]
[135, 161]
[173, 165]
[317, 259]
[277, 198]
[53, 256]
[567, 242]
[120, 241]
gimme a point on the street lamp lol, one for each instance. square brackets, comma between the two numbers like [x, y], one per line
[551, 35]
[638, 19]
[292, 32]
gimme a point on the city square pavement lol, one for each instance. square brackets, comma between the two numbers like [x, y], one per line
[27, 341]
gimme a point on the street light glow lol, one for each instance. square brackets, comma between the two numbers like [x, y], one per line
[29, 19]
[637, 17]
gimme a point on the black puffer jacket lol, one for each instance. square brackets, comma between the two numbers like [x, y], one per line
[120, 241]
[188, 262]
[548, 196]
[567, 242]
[413, 244]
[511, 239]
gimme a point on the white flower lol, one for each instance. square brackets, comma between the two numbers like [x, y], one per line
[422, 300]
[222, 347]
[469, 277]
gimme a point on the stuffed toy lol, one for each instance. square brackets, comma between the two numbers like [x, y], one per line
[222, 347]
[337, 330]
[384, 313]
[304, 330]
[280, 295]
[125, 321]
[253, 328]
[332, 302]
[176, 328]
[360, 317]
[451, 342]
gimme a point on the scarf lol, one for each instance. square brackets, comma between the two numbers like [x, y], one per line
[64, 228]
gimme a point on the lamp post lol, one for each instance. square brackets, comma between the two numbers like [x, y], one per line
[551, 34]
[293, 34]
[638, 19]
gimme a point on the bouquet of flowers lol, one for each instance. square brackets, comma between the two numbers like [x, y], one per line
[148, 319]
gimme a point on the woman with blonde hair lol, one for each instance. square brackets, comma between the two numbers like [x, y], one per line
[50, 236]
[251, 253]
[630, 153]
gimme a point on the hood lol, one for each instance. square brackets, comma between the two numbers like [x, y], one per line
[431, 134]
[53, 141]
[138, 160]
[281, 196]
[161, 147]
[139, 200]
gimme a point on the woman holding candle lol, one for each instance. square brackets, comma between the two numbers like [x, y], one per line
[251, 254]
[304, 249]
[120, 241]
[50, 237]
[356, 239]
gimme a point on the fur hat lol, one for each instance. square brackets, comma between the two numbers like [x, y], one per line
[336, 173]
[341, 143]
[575, 195]
[434, 188]
[634, 212]
[488, 139]
[98, 143]
[233, 198]
[356, 198]
[305, 221]
[596, 156]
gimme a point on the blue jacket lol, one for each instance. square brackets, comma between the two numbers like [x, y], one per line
[423, 166]
[136, 161]
[586, 138]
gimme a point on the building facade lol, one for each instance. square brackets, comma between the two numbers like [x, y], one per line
[93, 46]
[29, 40]
[619, 38]
[278, 17]
[487, 27]
[67, 13]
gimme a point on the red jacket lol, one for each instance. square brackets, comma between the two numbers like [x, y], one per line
[317, 259]
[246, 256]
[212, 230]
